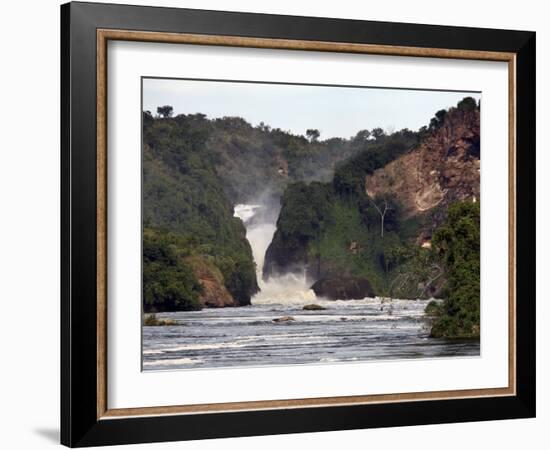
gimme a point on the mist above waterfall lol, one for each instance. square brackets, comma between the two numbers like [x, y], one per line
[260, 218]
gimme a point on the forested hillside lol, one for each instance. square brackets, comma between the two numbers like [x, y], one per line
[379, 220]
[249, 160]
[188, 222]
[370, 209]
[195, 170]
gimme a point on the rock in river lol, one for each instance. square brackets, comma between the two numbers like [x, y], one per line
[343, 288]
[313, 307]
[284, 319]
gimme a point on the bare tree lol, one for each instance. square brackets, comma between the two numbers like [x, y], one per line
[382, 213]
[438, 272]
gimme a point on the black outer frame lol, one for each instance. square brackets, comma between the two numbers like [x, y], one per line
[79, 423]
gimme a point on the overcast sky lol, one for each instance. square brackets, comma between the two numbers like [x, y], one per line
[334, 111]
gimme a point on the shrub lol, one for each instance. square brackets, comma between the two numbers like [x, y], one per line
[458, 240]
[433, 309]
[168, 282]
[151, 320]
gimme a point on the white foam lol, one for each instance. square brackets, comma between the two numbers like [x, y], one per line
[180, 348]
[152, 352]
[173, 362]
[326, 360]
[245, 212]
[246, 342]
[288, 289]
[291, 289]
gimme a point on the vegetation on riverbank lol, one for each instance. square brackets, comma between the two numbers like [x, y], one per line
[335, 229]
[402, 214]
[151, 320]
[186, 212]
[458, 240]
[378, 208]
[169, 283]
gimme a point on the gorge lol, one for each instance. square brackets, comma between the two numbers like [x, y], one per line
[278, 328]
[360, 231]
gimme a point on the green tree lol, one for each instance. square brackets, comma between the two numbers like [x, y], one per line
[168, 282]
[361, 137]
[183, 194]
[165, 111]
[378, 133]
[458, 241]
[313, 135]
[438, 120]
[467, 104]
[306, 207]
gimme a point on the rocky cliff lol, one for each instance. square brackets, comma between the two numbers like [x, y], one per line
[214, 294]
[376, 219]
[443, 169]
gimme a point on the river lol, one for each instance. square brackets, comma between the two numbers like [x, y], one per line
[345, 331]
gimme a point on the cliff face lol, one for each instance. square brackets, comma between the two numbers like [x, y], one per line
[443, 169]
[214, 293]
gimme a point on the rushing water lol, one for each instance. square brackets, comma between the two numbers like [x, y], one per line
[352, 330]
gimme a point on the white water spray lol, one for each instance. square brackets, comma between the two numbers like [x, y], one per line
[287, 289]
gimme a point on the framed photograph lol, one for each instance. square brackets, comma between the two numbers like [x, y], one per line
[276, 224]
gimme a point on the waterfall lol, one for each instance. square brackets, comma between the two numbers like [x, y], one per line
[290, 288]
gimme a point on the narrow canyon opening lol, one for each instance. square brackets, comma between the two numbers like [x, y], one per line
[260, 220]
